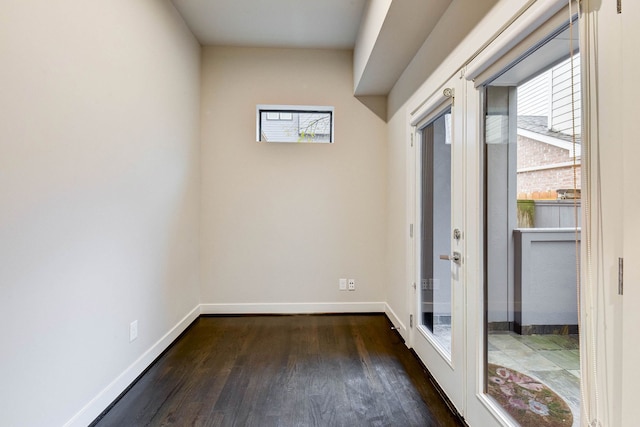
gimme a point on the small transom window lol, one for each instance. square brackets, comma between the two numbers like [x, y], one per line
[294, 123]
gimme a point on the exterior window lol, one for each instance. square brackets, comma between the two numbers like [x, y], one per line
[294, 123]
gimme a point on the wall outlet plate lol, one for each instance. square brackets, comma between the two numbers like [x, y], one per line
[352, 284]
[342, 284]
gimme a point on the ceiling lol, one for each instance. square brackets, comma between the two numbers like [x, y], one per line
[388, 32]
[327, 24]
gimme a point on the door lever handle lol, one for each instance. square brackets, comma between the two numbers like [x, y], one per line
[455, 257]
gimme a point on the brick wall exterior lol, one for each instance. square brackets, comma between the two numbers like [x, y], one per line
[533, 153]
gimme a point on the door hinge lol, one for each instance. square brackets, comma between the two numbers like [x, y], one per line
[412, 139]
[411, 231]
[414, 286]
[619, 6]
[411, 320]
[620, 276]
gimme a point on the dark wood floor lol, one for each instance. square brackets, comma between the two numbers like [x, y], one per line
[303, 370]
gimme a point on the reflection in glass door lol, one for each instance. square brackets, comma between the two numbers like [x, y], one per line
[435, 265]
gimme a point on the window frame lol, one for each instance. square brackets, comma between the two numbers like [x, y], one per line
[291, 109]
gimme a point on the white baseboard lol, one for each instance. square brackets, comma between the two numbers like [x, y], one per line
[294, 308]
[401, 328]
[94, 408]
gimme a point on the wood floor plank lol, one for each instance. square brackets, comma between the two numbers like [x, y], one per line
[300, 370]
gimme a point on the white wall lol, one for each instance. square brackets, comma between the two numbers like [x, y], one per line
[631, 129]
[375, 12]
[398, 252]
[281, 223]
[99, 187]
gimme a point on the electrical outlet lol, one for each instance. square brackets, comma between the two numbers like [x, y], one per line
[133, 331]
[342, 284]
[352, 284]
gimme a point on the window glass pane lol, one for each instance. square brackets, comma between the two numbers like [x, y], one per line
[308, 124]
[532, 237]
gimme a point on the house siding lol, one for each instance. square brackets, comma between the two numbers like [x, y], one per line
[533, 96]
[550, 95]
[563, 116]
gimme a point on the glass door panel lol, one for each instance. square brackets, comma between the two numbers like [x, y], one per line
[532, 237]
[435, 273]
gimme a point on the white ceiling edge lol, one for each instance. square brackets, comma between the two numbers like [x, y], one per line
[371, 23]
[405, 27]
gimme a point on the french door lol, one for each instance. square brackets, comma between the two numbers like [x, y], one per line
[528, 203]
[469, 213]
[438, 335]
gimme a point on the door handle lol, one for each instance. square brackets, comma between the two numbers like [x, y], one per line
[455, 257]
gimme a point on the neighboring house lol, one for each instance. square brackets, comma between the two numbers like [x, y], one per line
[545, 159]
[547, 156]
[291, 126]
